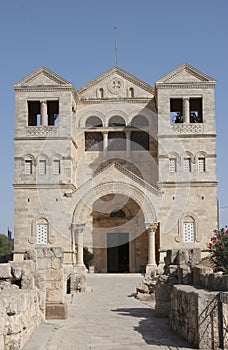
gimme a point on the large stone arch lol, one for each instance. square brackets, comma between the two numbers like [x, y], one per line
[85, 203]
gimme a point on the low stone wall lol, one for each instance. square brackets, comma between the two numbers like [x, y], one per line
[195, 315]
[205, 278]
[22, 304]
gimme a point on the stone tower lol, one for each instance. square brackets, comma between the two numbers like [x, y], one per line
[119, 167]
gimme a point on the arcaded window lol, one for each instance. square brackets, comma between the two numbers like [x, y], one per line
[34, 116]
[139, 122]
[116, 121]
[101, 93]
[93, 122]
[189, 230]
[176, 110]
[187, 165]
[196, 112]
[201, 165]
[140, 141]
[56, 166]
[53, 112]
[28, 166]
[116, 141]
[172, 165]
[42, 166]
[42, 231]
[93, 141]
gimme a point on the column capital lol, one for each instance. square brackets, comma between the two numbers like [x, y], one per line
[79, 228]
[151, 227]
[43, 101]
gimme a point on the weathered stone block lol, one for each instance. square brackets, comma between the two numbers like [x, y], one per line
[5, 271]
[56, 311]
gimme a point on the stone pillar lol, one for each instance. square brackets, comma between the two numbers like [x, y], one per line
[43, 111]
[151, 265]
[186, 111]
[79, 228]
[128, 144]
[105, 144]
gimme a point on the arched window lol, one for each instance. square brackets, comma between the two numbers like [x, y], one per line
[201, 164]
[116, 141]
[93, 141]
[93, 122]
[116, 121]
[140, 141]
[187, 165]
[101, 93]
[117, 214]
[131, 92]
[172, 165]
[56, 166]
[189, 229]
[139, 122]
[42, 231]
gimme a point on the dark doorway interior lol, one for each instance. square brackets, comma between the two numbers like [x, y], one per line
[118, 252]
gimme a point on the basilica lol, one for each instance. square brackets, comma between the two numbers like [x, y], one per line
[117, 167]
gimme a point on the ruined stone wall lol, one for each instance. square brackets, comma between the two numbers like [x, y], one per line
[21, 304]
[195, 315]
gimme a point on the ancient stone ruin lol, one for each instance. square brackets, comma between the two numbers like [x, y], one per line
[31, 291]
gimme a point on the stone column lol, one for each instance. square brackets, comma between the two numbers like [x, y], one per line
[128, 144]
[186, 111]
[151, 265]
[79, 228]
[105, 144]
[43, 111]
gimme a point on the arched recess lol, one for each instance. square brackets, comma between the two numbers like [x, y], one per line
[85, 204]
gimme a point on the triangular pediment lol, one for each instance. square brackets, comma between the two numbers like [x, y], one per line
[114, 172]
[116, 83]
[185, 74]
[42, 77]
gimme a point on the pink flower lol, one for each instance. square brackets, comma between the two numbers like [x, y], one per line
[222, 246]
[210, 245]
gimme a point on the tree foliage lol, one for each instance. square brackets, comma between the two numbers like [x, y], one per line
[5, 245]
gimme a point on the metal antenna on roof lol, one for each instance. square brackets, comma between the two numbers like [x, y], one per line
[116, 48]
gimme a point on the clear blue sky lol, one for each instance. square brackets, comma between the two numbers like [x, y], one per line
[75, 39]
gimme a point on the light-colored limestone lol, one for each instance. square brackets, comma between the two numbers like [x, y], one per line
[76, 203]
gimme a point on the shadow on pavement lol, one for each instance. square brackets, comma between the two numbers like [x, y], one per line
[155, 331]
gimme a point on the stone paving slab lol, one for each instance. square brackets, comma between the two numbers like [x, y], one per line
[107, 317]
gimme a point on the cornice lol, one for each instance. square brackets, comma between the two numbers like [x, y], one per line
[44, 88]
[174, 184]
[115, 100]
[184, 136]
[44, 186]
[193, 85]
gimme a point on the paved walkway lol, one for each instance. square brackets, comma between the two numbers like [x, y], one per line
[107, 317]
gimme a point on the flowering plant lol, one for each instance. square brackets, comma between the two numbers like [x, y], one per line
[218, 248]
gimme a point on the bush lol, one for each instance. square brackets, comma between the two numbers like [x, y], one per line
[218, 248]
[5, 245]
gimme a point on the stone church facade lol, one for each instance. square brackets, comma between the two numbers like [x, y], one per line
[122, 168]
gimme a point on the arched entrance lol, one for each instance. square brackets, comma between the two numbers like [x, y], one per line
[118, 182]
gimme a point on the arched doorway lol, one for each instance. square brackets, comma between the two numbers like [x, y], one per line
[119, 237]
[115, 181]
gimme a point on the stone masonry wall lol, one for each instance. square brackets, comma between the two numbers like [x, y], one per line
[21, 304]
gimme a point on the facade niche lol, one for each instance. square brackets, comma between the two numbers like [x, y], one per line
[116, 121]
[139, 122]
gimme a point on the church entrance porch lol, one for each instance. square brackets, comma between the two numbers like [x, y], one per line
[118, 252]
